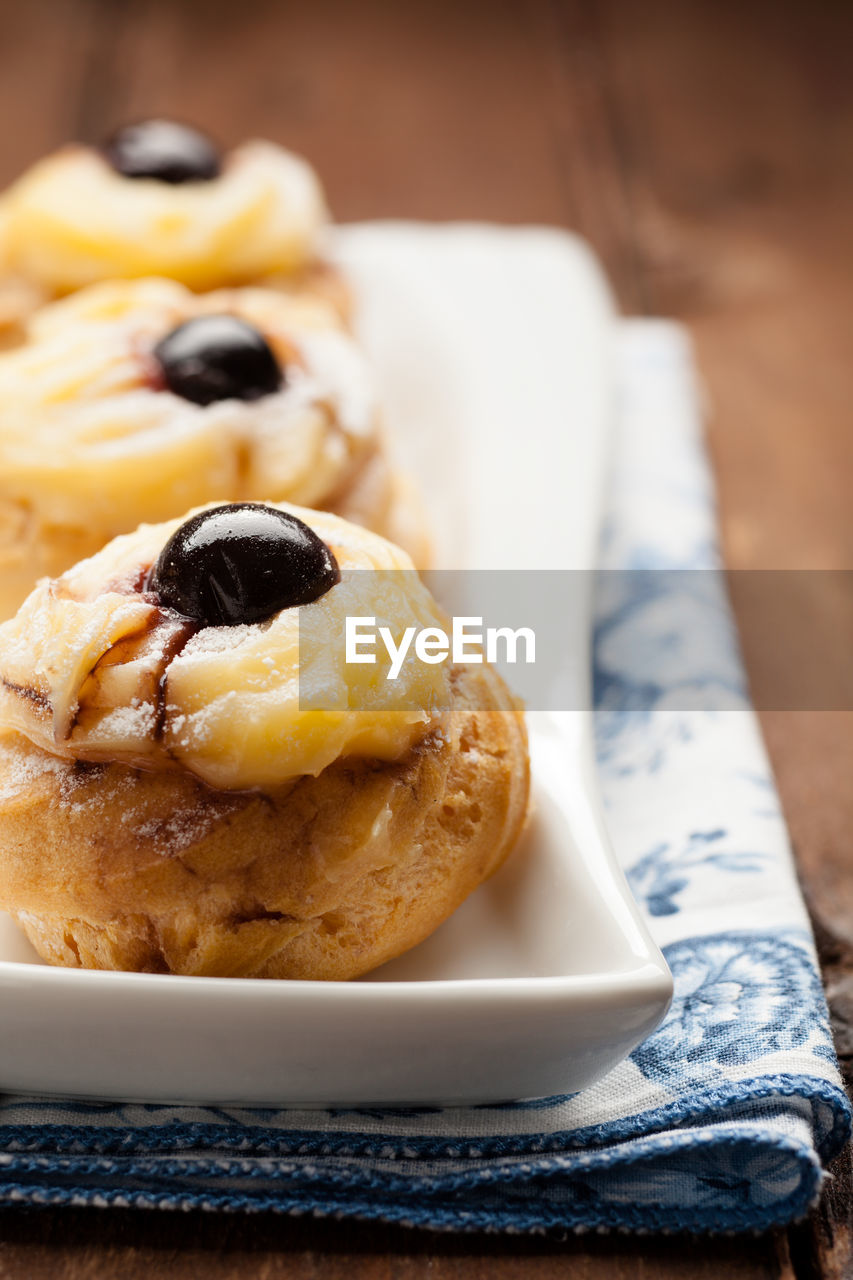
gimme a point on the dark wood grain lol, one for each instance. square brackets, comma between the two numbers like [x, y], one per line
[78, 1245]
[706, 151]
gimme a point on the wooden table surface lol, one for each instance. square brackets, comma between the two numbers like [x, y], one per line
[706, 151]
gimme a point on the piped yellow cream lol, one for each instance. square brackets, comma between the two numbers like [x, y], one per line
[87, 435]
[72, 220]
[91, 668]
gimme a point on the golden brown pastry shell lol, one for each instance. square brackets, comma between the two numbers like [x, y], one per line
[114, 868]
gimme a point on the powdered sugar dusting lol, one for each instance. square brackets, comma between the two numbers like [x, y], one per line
[21, 772]
[124, 726]
[179, 831]
[218, 639]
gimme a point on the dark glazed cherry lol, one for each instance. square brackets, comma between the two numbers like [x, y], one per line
[165, 151]
[218, 358]
[241, 563]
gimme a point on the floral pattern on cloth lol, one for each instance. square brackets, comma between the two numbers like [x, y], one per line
[666, 871]
[738, 998]
[724, 1118]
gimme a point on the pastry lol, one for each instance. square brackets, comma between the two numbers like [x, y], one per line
[135, 400]
[19, 297]
[179, 794]
[159, 199]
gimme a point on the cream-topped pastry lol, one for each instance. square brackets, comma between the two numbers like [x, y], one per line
[160, 200]
[134, 400]
[92, 668]
[168, 800]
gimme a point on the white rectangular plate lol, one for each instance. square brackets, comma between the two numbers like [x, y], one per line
[493, 352]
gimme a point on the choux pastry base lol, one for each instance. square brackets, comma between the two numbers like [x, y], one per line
[109, 867]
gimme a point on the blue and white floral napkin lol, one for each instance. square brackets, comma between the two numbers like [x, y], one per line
[723, 1119]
